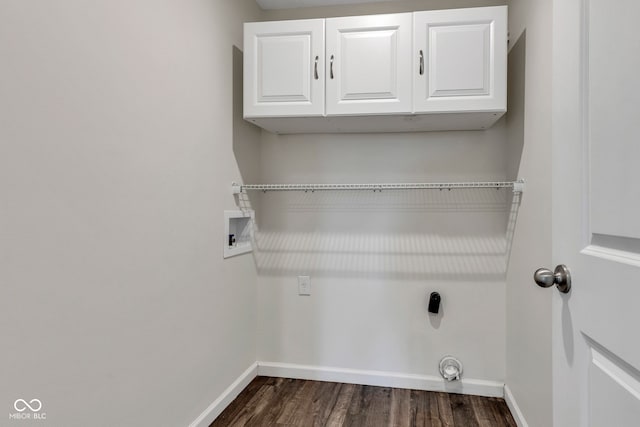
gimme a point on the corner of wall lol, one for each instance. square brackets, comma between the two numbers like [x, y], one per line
[528, 311]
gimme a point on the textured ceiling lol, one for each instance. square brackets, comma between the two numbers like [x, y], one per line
[289, 4]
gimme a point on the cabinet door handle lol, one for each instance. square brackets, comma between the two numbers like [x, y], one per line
[421, 70]
[331, 68]
[315, 68]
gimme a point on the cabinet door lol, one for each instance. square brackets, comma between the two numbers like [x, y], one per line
[460, 60]
[368, 64]
[283, 68]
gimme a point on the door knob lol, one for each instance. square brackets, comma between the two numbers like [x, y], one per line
[561, 277]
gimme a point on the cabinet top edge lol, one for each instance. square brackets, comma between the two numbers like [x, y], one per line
[470, 9]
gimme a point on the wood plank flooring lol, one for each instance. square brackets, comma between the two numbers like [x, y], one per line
[286, 402]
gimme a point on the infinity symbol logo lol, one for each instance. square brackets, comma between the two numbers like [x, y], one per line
[21, 405]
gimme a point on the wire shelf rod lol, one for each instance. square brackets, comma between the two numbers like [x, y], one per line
[516, 186]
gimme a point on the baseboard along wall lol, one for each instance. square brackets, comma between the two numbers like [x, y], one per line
[514, 408]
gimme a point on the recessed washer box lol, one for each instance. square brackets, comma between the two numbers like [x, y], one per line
[238, 232]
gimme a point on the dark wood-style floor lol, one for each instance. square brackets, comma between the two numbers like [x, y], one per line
[286, 402]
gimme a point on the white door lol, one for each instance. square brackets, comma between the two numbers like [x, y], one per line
[460, 60]
[596, 212]
[368, 64]
[284, 68]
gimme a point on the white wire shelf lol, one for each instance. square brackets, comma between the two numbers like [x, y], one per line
[515, 186]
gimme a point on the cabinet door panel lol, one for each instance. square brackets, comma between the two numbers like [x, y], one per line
[283, 70]
[368, 64]
[459, 62]
[464, 53]
[283, 64]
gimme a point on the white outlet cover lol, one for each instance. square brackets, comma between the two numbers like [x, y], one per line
[304, 285]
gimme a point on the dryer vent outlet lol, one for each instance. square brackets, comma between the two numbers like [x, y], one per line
[450, 368]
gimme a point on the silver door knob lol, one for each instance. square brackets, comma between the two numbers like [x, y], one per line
[561, 277]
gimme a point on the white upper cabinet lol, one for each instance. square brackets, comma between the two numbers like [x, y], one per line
[368, 64]
[431, 70]
[284, 68]
[460, 60]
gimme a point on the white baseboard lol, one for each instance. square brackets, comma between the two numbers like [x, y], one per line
[381, 378]
[514, 408]
[227, 396]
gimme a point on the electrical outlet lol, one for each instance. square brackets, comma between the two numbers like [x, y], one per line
[304, 285]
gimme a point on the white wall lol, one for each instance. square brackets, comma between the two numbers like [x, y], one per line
[116, 150]
[529, 128]
[374, 258]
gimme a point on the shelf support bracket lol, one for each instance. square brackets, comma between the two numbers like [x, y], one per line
[236, 188]
[518, 186]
